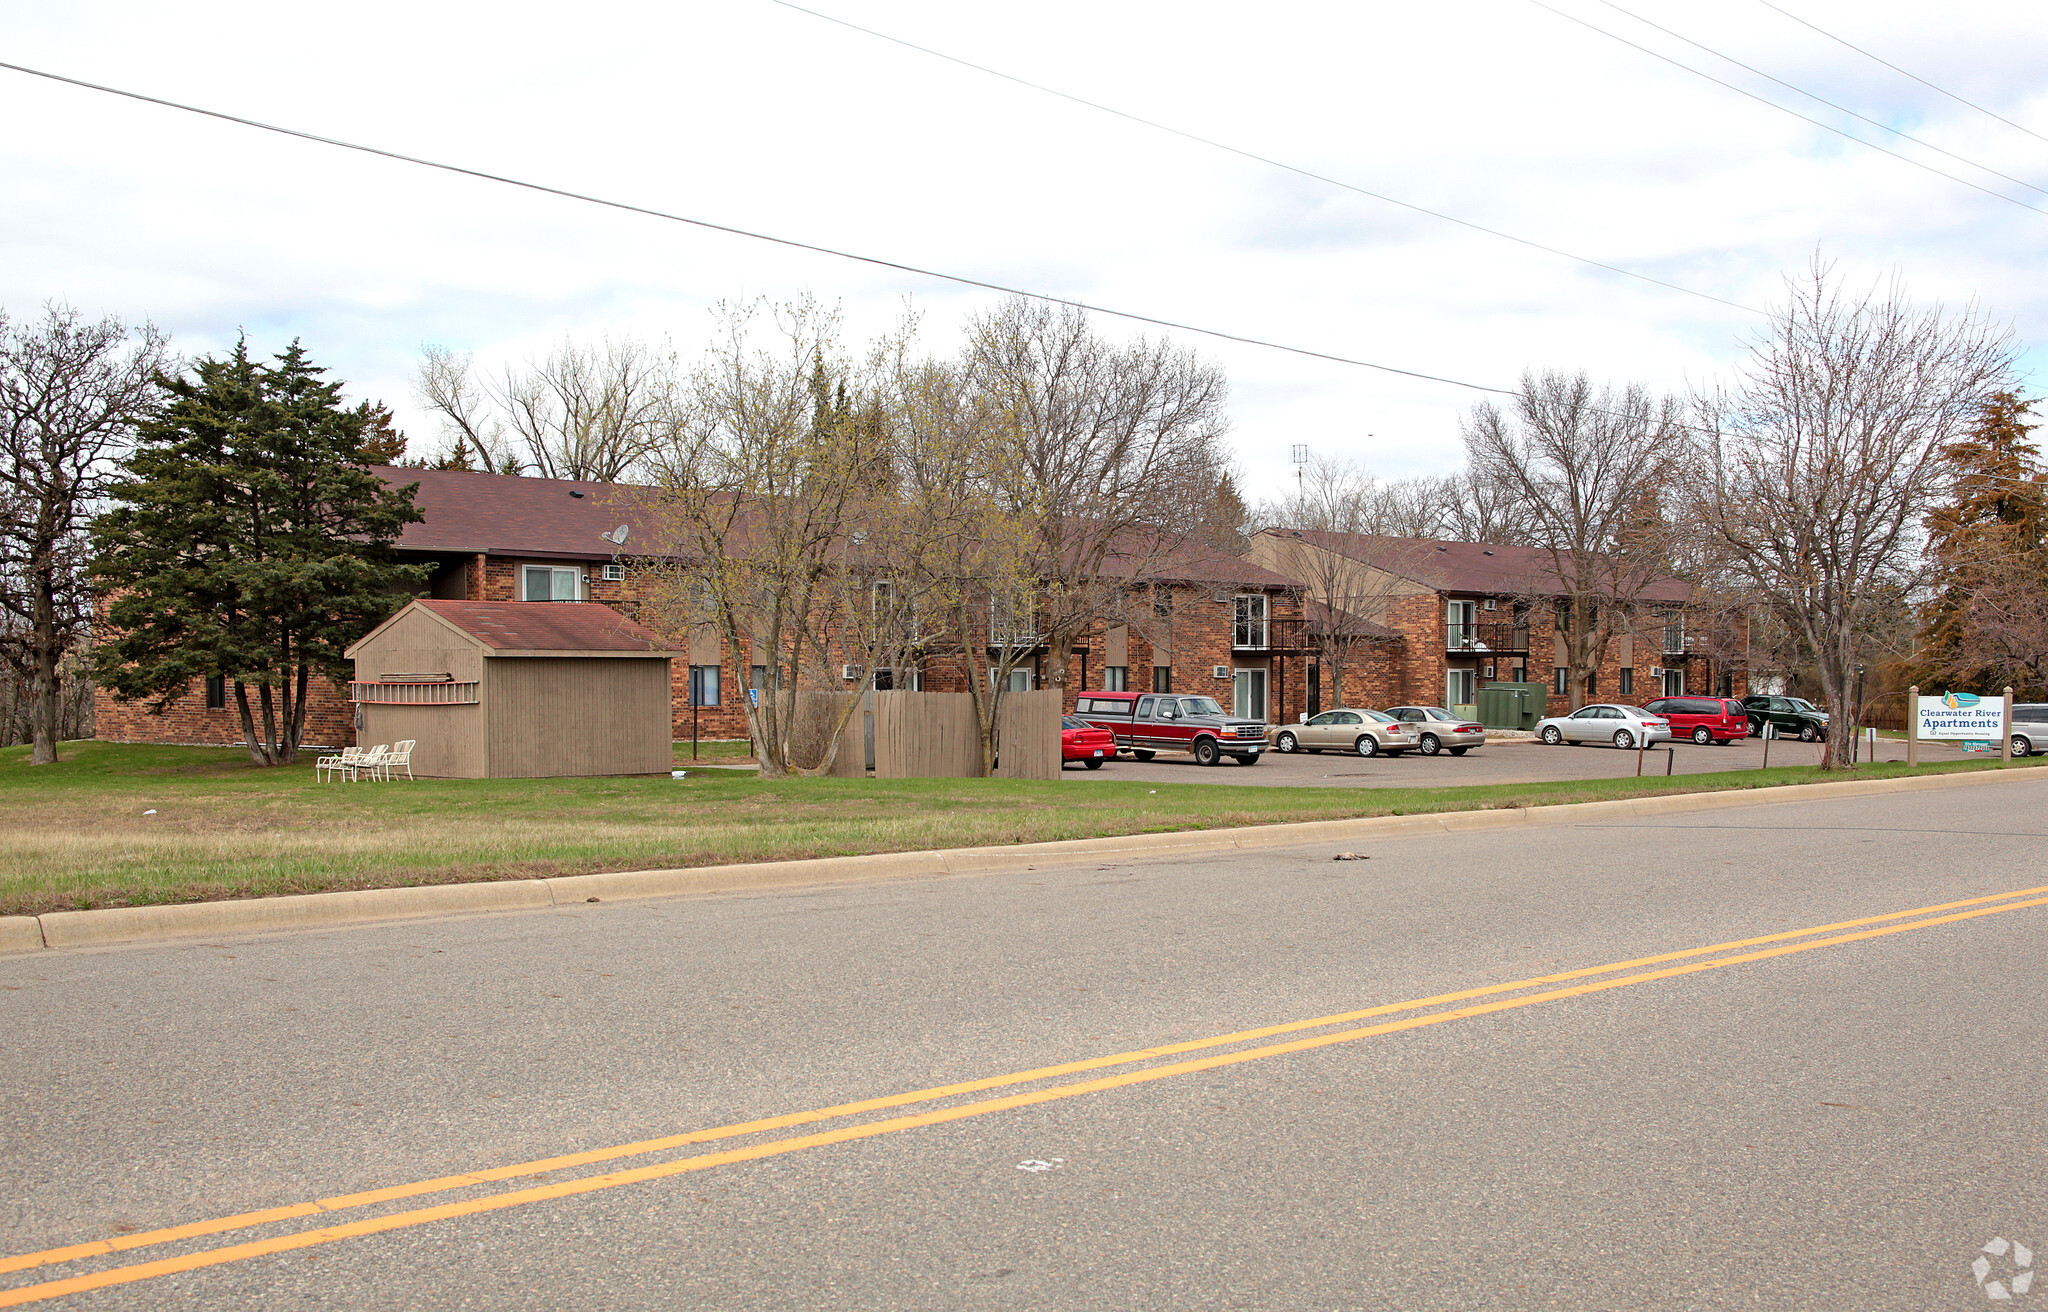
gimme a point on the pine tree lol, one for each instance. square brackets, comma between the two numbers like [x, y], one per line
[248, 542]
[1989, 549]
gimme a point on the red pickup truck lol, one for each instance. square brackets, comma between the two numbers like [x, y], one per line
[1147, 723]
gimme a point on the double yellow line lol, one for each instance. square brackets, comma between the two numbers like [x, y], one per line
[1806, 941]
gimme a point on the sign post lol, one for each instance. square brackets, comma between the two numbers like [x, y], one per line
[1913, 725]
[2005, 732]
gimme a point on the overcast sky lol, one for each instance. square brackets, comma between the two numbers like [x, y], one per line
[749, 114]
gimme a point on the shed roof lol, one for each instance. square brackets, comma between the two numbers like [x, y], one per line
[538, 628]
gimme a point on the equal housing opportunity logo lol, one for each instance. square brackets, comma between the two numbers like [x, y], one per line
[2007, 1270]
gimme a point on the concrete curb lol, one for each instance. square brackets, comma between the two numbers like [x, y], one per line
[112, 925]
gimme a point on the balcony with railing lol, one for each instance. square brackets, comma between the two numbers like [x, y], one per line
[1487, 637]
[1260, 633]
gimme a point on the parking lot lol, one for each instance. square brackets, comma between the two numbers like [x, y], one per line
[1501, 761]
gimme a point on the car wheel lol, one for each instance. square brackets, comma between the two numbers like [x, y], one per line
[1459, 751]
[1625, 740]
[1551, 737]
[2021, 747]
[1141, 754]
[1807, 733]
[1093, 763]
[1702, 735]
[1367, 745]
[1430, 745]
[1286, 742]
[1247, 760]
[1756, 728]
[1206, 753]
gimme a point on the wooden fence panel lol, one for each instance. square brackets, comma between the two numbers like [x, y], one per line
[926, 735]
[811, 729]
[1028, 741]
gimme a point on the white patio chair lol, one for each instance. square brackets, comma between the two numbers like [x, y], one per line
[370, 762]
[400, 759]
[329, 766]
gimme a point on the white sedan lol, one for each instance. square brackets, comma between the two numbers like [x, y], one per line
[1626, 727]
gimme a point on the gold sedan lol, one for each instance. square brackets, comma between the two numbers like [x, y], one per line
[1348, 729]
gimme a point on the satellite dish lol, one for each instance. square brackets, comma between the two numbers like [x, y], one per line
[617, 537]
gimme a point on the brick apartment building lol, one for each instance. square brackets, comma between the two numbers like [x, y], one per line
[1204, 622]
[1433, 622]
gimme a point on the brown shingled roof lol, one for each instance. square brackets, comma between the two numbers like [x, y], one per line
[502, 514]
[1468, 567]
[549, 626]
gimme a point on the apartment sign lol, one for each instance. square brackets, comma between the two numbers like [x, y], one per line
[1962, 716]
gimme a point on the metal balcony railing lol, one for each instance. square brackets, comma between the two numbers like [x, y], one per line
[1486, 638]
[1275, 634]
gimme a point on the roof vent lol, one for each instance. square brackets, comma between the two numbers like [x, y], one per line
[1441, 547]
[1486, 551]
[575, 493]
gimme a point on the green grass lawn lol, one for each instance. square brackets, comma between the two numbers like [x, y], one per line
[77, 833]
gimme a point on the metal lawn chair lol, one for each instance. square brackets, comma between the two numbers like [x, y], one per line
[370, 763]
[400, 759]
[329, 766]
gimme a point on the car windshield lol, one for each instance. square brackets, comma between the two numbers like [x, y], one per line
[1200, 706]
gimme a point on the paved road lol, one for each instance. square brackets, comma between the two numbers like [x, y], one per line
[1499, 762]
[1838, 1126]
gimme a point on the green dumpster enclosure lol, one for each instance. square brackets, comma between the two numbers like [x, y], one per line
[1512, 705]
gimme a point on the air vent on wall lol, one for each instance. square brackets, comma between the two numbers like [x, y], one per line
[1220, 671]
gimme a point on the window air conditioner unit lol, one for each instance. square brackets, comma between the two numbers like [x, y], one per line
[614, 574]
[1656, 671]
[849, 671]
[1488, 605]
[1489, 671]
[1220, 671]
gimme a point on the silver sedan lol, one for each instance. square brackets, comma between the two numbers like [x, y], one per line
[1626, 727]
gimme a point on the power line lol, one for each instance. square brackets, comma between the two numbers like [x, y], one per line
[790, 242]
[1570, 18]
[1265, 159]
[1903, 73]
[1843, 109]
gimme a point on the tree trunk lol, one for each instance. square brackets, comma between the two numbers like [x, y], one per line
[43, 706]
[258, 749]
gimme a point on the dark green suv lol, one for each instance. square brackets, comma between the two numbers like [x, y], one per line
[1795, 717]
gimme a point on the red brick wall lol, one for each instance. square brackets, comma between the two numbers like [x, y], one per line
[187, 721]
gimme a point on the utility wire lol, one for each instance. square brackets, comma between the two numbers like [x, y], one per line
[1570, 18]
[1903, 73]
[1267, 160]
[790, 242]
[1843, 109]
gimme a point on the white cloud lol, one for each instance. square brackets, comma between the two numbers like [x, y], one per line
[752, 115]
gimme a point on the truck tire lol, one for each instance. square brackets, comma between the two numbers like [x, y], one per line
[1206, 752]
[1807, 733]
[1140, 754]
[1249, 759]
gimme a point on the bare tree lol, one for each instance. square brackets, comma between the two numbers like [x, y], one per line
[71, 392]
[1590, 466]
[1121, 457]
[1315, 541]
[1821, 459]
[588, 413]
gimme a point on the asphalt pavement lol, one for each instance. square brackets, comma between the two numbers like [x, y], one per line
[1501, 761]
[1839, 1115]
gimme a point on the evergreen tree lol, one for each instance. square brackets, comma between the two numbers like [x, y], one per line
[1988, 546]
[248, 542]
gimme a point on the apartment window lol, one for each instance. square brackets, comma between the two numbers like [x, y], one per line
[1461, 626]
[1674, 633]
[1162, 678]
[703, 685]
[551, 583]
[1011, 624]
[1249, 631]
[1116, 678]
[1627, 682]
[216, 692]
[1016, 681]
[1726, 683]
[1592, 684]
[1564, 617]
[1162, 599]
[1560, 681]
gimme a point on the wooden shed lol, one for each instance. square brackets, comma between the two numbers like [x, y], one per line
[516, 689]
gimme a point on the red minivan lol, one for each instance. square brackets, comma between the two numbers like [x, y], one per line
[1703, 719]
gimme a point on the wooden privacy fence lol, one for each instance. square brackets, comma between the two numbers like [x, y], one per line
[1028, 734]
